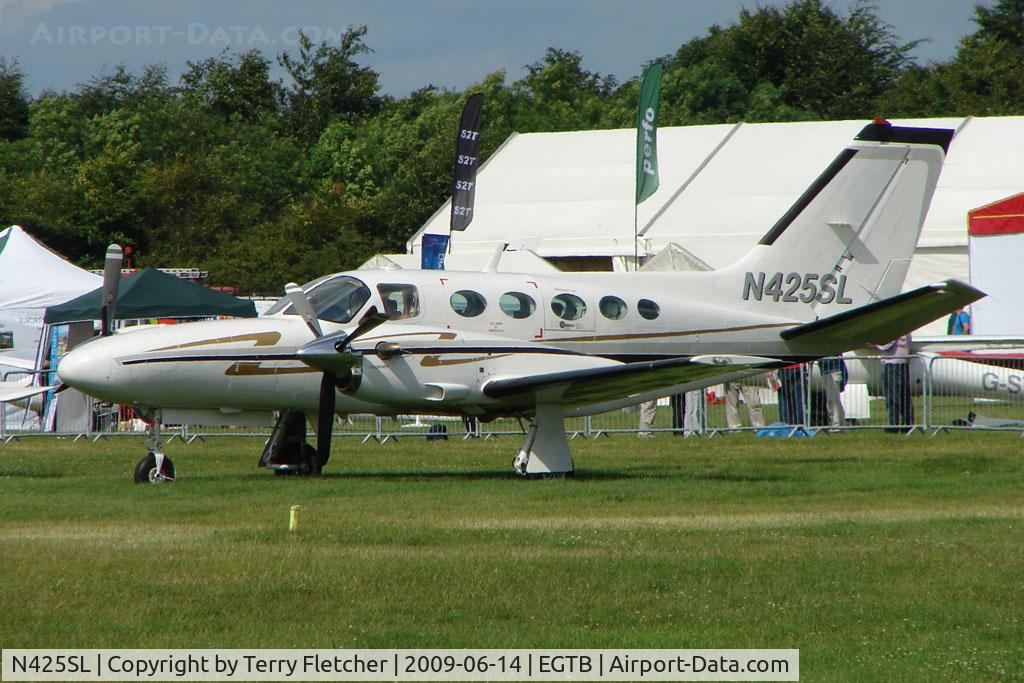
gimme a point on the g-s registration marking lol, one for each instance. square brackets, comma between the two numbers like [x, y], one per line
[796, 288]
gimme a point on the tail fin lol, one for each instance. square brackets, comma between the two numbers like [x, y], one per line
[848, 240]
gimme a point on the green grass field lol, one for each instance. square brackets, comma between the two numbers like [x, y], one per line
[879, 556]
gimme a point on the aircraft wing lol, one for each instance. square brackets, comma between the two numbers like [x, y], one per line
[14, 391]
[883, 321]
[576, 388]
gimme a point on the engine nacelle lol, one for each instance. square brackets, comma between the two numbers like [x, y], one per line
[401, 380]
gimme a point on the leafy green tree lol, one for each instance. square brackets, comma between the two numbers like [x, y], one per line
[262, 181]
[985, 78]
[801, 61]
[1004, 22]
[233, 85]
[316, 235]
[13, 101]
[557, 93]
[327, 83]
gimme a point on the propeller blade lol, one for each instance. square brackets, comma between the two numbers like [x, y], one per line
[370, 320]
[111, 280]
[331, 353]
[301, 304]
[325, 420]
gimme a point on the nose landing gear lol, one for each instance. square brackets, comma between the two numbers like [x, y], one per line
[155, 467]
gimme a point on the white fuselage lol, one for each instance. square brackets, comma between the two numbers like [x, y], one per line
[455, 332]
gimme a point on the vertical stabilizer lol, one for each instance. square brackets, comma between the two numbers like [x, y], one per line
[849, 238]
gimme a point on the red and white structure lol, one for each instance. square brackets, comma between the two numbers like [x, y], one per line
[996, 242]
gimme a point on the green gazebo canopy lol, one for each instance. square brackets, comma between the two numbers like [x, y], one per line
[151, 293]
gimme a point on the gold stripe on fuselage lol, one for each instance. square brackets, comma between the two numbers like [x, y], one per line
[441, 336]
[261, 339]
[250, 369]
[435, 361]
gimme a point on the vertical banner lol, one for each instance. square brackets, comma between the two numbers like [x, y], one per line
[647, 134]
[467, 152]
[432, 248]
[58, 348]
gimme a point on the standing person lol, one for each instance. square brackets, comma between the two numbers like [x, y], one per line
[471, 426]
[751, 397]
[693, 419]
[834, 376]
[648, 411]
[678, 404]
[896, 383]
[791, 394]
[959, 322]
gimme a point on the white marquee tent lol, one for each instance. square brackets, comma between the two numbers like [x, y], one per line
[31, 278]
[570, 195]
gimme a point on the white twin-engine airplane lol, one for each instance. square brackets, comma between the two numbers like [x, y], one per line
[825, 279]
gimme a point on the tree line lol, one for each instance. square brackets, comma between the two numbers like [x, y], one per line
[262, 180]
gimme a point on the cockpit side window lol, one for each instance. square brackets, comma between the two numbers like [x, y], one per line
[400, 301]
[336, 299]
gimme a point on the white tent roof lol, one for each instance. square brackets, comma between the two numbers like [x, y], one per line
[517, 261]
[984, 165]
[32, 276]
[722, 188]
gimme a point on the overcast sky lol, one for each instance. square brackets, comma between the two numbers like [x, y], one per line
[447, 43]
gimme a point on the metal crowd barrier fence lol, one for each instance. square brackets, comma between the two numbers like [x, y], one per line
[924, 392]
[974, 391]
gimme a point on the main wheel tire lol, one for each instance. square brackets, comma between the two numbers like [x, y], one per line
[145, 470]
[308, 464]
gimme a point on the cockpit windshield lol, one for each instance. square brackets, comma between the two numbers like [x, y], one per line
[337, 299]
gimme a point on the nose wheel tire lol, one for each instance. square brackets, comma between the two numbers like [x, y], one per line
[147, 471]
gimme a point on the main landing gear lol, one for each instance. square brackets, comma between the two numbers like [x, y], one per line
[545, 451]
[287, 451]
[155, 467]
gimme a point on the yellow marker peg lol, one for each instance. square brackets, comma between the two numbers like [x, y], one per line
[293, 518]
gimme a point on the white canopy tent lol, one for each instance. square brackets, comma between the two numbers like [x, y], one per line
[722, 187]
[31, 278]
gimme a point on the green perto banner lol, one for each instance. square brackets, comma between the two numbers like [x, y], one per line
[647, 134]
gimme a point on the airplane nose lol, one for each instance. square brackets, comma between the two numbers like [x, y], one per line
[86, 370]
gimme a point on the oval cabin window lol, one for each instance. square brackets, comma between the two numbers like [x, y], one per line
[467, 303]
[568, 306]
[517, 305]
[612, 307]
[648, 309]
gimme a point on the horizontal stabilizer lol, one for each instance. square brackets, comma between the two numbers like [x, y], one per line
[13, 391]
[885, 320]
